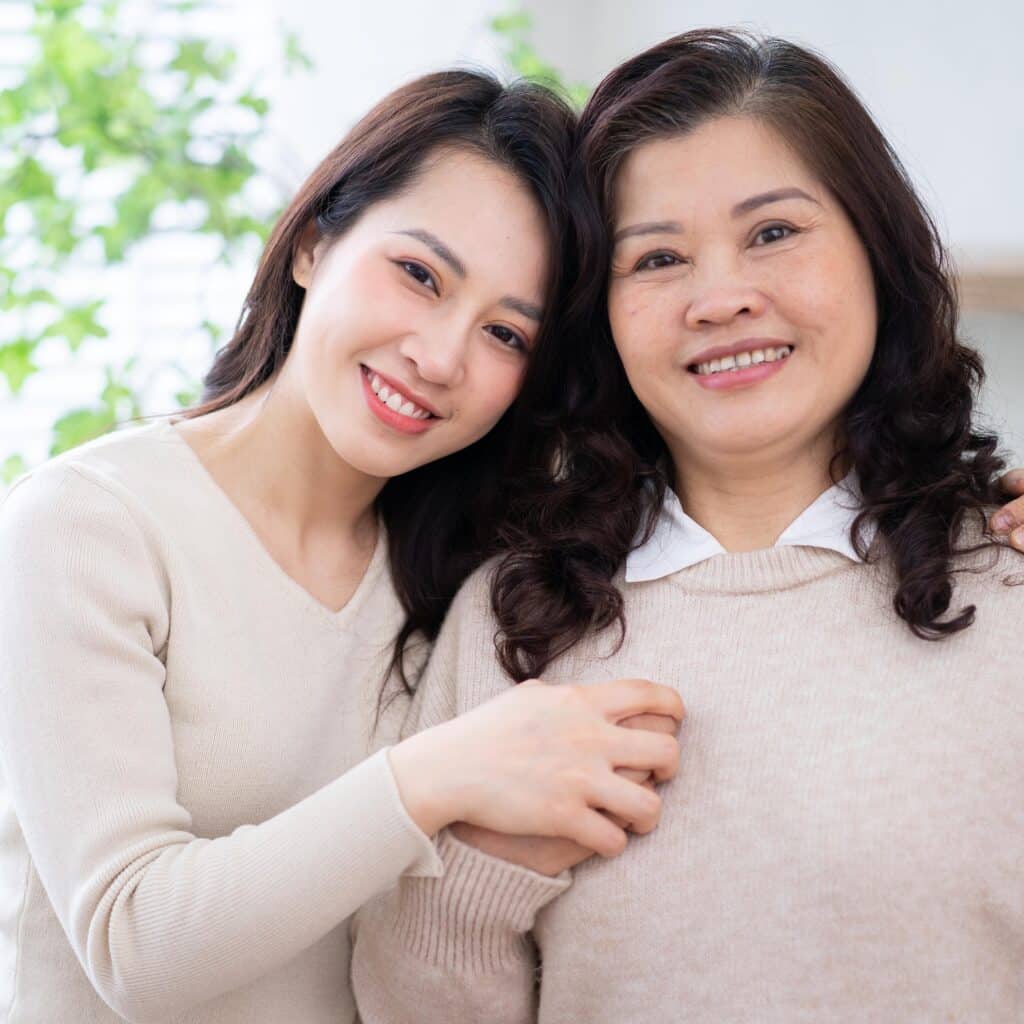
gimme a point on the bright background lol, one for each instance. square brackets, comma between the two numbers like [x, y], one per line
[944, 80]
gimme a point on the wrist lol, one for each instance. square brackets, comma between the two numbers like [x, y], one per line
[428, 780]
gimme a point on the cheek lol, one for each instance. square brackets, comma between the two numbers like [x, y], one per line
[641, 321]
[831, 295]
[493, 383]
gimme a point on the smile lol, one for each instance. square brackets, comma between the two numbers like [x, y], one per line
[394, 399]
[741, 360]
[393, 407]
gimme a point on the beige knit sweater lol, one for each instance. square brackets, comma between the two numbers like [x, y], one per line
[844, 840]
[185, 823]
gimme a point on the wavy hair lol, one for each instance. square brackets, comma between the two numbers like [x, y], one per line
[597, 479]
[441, 518]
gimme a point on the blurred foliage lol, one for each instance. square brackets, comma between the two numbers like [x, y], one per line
[169, 118]
[515, 29]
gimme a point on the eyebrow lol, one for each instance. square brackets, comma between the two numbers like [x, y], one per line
[656, 227]
[439, 248]
[670, 227]
[764, 198]
[528, 309]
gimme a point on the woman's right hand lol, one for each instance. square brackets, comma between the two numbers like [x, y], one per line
[541, 760]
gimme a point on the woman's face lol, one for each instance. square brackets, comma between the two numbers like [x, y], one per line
[741, 298]
[417, 322]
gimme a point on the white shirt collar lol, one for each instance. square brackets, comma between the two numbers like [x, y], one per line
[679, 541]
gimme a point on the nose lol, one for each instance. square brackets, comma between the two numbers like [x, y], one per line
[438, 354]
[720, 296]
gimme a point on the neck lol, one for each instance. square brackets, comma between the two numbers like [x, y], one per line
[747, 503]
[270, 454]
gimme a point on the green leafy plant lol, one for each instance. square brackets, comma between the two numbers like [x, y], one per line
[162, 129]
[515, 29]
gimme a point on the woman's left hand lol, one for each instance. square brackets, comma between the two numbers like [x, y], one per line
[1009, 520]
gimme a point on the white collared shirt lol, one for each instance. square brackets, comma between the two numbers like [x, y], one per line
[679, 541]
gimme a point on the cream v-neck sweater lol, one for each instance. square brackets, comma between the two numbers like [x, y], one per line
[844, 841]
[189, 815]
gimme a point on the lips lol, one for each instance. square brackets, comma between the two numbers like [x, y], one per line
[386, 387]
[744, 345]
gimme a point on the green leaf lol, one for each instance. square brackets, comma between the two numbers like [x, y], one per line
[199, 59]
[188, 397]
[12, 300]
[513, 23]
[11, 468]
[295, 58]
[16, 362]
[257, 103]
[81, 425]
[77, 324]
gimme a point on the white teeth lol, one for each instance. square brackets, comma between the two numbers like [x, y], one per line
[744, 359]
[396, 401]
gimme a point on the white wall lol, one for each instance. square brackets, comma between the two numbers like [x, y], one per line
[945, 80]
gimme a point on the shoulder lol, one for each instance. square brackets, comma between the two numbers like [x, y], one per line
[472, 603]
[92, 497]
[142, 472]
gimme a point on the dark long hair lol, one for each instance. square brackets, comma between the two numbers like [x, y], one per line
[910, 432]
[441, 518]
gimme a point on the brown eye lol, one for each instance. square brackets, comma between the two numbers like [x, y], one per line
[657, 260]
[773, 233]
[507, 337]
[419, 273]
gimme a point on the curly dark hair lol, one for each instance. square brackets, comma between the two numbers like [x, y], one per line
[597, 476]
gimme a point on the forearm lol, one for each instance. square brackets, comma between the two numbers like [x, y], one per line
[165, 923]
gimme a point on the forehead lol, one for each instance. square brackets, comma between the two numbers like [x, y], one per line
[480, 210]
[720, 163]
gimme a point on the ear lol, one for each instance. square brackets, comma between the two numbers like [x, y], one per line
[305, 255]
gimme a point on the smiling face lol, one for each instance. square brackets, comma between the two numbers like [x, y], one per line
[741, 298]
[417, 322]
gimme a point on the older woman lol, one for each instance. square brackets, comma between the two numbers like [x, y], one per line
[813, 572]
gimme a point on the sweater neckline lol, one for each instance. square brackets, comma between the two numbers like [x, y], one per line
[338, 617]
[763, 571]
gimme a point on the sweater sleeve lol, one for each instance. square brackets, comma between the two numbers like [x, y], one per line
[454, 947]
[160, 920]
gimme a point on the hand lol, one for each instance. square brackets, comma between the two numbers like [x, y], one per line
[1010, 518]
[539, 760]
[549, 856]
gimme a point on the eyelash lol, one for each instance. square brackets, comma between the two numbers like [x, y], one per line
[408, 266]
[788, 228]
[644, 263]
[520, 343]
[430, 283]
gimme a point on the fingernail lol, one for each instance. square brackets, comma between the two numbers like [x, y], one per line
[1017, 538]
[1003, 522]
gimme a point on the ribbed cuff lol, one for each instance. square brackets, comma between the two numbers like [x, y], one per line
[474, 918]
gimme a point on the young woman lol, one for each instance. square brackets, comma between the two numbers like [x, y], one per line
[197, 619]
[844, 839]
